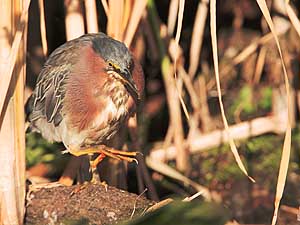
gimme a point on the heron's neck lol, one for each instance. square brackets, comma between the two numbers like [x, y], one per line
[117, 92]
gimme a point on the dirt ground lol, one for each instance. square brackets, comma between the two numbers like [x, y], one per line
[89, 205]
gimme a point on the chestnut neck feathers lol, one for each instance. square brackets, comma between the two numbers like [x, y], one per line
[89, 92]
[116, 91]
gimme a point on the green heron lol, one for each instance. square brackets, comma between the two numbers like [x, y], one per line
[86, 90]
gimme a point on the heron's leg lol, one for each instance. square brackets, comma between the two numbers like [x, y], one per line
[93, 167]
[107, 151]
[96, 161]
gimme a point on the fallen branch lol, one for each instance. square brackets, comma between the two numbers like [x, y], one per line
[275, 123]
[216, 138]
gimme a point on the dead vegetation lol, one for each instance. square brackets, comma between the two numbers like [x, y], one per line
[185, 72]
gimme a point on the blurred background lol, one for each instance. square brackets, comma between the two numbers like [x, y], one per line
[180, 128]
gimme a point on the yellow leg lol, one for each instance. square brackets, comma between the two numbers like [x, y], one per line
[95, 162]
[103, 151]
[107, 151]
[93, 169]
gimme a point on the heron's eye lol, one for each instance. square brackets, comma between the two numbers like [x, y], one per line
[129, 65]
[113, 65]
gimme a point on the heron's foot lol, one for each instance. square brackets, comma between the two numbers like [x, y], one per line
[106, 151]
[79, 188]
[103, 151]
[120, 155]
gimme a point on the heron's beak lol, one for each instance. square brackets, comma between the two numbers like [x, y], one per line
[129, 83]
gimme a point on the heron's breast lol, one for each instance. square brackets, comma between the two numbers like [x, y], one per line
[109, 118]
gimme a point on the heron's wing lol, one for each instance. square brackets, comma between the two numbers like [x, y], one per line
[46, 100]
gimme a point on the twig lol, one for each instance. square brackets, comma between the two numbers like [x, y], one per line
[159, 205]
[135, 202]
[191, 198]
[165, 169]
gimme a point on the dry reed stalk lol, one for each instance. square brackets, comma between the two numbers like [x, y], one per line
[74, 19]
[259, 65]
[91, 16]
[136, 15]
[293, 17]
[3, 208]
[175, 114]
[175, 48]
[251, 48]
[286, 150]
[197, 37]
[114, 19]
[173, 9]
[176, 53]
[19, 131]
[171, 90]
[243, 55]
[179, 21]
[190, 88]
[199, 104]
[204, 113]
[118, 13]
[9, 61]
[168, 139]
[43, 27]
[105, 7]
[128, 5]
[19, 121]
[216, 66]
[182, 153]
[12, 139]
